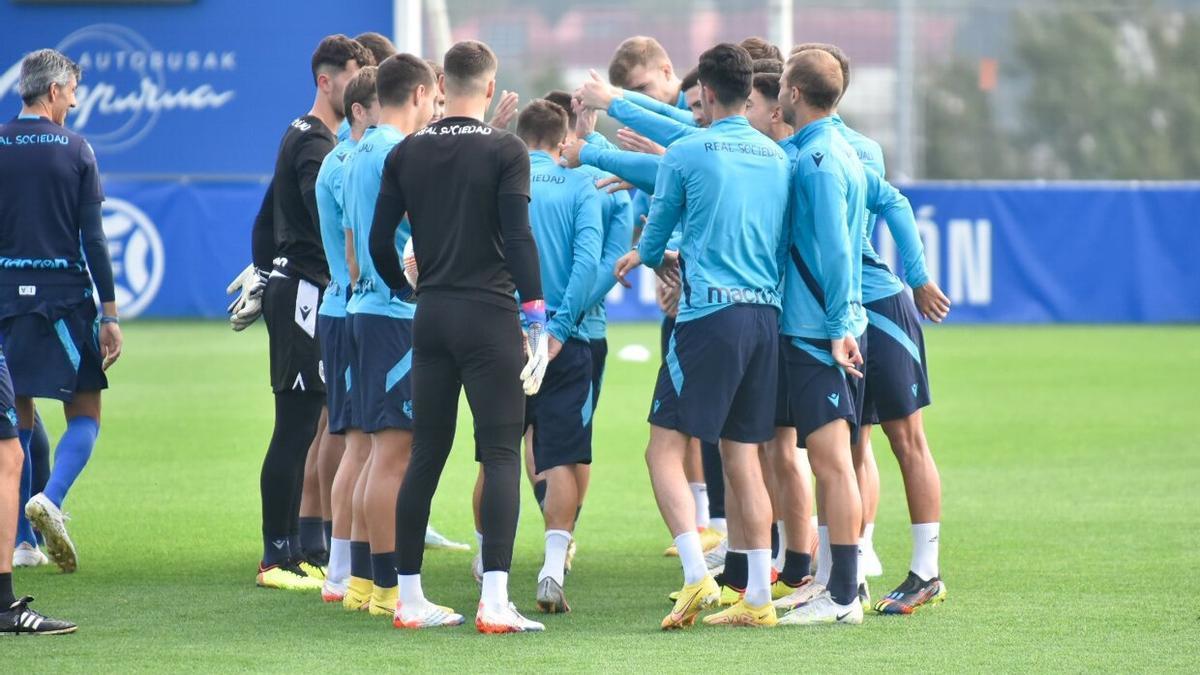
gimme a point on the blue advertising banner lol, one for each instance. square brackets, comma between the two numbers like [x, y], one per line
[189, 88]
[1005, 253]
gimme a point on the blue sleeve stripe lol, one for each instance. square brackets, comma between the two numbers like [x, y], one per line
[586, 413]
[64, 336]
[810, 280]
[673, 367]
[398, 371]
[895, 332]
[815, 352]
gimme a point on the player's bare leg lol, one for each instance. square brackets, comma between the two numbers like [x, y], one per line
[867, 472]
[923, 489]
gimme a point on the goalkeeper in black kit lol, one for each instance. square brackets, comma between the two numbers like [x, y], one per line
[465, 188]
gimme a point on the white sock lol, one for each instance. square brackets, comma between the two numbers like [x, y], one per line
[691, 556]
[719, 525]
[868, 535]
[862, 570]
[758, 579]
[410, 590]
[479, 540]
[495, 591]
[700, 496]
[925, 550]
[778, 562]
[556, 555]
[339, 561]
[824, 556]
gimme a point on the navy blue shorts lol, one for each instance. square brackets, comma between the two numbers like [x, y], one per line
[599, 358]
[381, 382]
[561, 411]
[819, 391]
[335, 361]
[50, 340]
[8, 403]
[897, 378]
[720, 376]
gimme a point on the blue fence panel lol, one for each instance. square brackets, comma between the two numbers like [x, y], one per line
[1004, 253]
[192, 88]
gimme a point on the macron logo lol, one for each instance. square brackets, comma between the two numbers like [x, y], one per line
[817, 157]
[835, 399]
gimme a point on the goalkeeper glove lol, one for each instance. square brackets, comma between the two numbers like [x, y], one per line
[409, 260]
[535, 346]
[248, 306]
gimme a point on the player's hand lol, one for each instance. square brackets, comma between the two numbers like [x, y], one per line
[846, 354]
[668, 298]
[668, 271]
[553, 347]
[585, 118]
[506, 109]
[110, 343]
[628, 139]
[931, 302]
[537, 347]
[628, 262]
[570, 153]
[248, 306]
[596, 93]
[614, 184]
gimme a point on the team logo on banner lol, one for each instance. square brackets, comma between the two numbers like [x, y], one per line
[128, 84]
[137, 255]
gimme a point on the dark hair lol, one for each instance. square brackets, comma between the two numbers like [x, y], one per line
[767, 84]
[816, 74]
[468, 64]
[834, 51]
[337, 50]
[563, 100]
[378, 44]
[542, 123]
[435, 67]
[758, 48]
[767, 66]
[690, 80]
[399, 76]
[360, 90]
[633, 52]
[726, 70]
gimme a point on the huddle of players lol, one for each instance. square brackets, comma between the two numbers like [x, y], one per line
[727, 376]
[789, 326]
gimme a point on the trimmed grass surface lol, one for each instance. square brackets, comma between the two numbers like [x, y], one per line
[1069, 456]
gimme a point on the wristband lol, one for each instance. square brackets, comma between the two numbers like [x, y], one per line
[109, 319]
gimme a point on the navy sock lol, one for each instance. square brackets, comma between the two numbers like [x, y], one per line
[360, 559]
[312, 537]
[539, 493]
[383, 569]
[295, 545]
[6, 591]
[843, 576]
[276, 550]
[39, 450]
[737, 570]
[327, 526]
[73, 452]
[795, 567]
[24, 528]
[714, 478]
[774, 540]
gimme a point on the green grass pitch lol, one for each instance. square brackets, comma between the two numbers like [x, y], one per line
[1070, 459]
